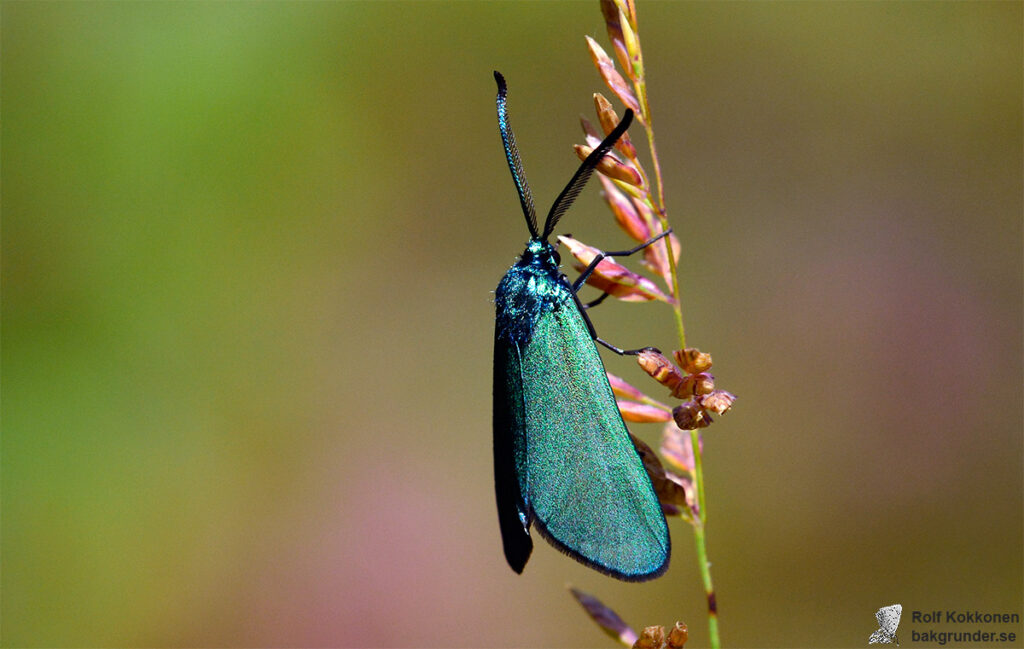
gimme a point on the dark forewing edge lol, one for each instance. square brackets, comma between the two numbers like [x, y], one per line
[508, 408]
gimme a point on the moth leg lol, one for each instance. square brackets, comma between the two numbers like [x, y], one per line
[621, 253]
[593, 265]
[583, 312]
[583, 307]
[597, 301]
[626, 352]
[593, 332]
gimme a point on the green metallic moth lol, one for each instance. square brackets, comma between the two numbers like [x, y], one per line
[563, 459]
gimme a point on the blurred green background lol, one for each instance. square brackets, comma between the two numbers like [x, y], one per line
[248, 256]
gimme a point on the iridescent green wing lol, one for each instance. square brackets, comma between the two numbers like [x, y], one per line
[584, 480]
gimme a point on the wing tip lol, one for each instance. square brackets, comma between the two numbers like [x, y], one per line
[518, 548]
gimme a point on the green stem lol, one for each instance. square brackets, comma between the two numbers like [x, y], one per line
[677, 308]
[709, 589]
[698, 470]
[698, 535]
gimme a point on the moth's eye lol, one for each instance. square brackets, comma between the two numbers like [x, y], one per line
[558, 257]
